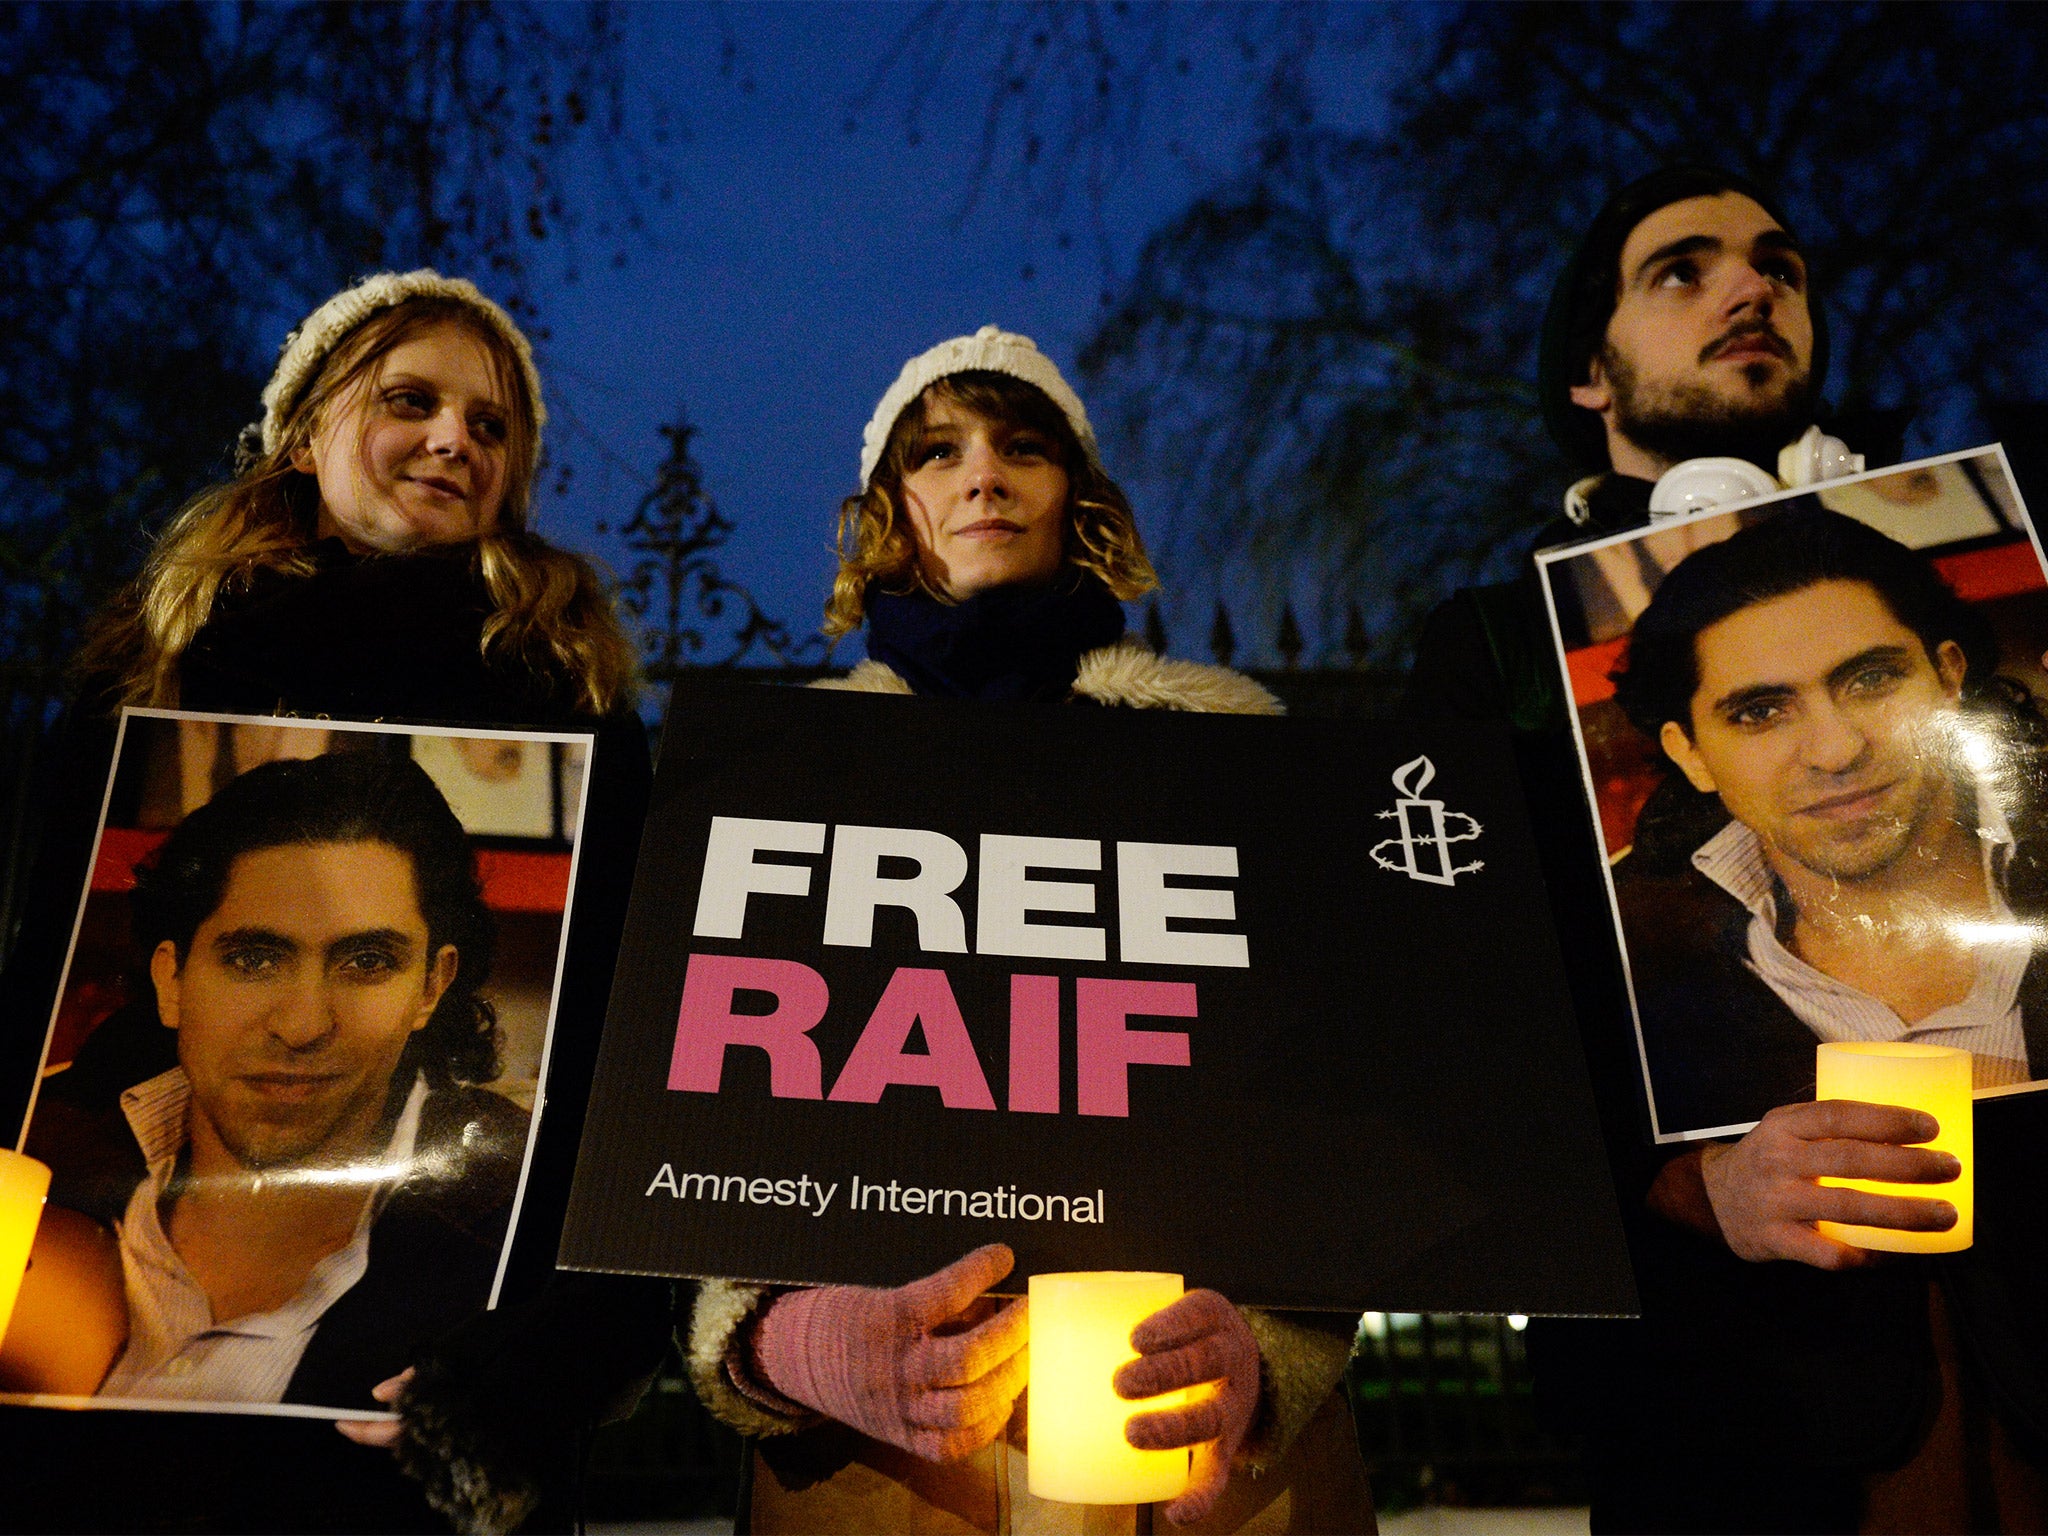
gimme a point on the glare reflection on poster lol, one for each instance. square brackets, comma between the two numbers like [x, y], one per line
[288, 1087]
[1813, 730]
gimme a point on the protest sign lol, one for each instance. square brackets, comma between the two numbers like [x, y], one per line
[1811, 726]
[289, 1090]
[1274, 1004]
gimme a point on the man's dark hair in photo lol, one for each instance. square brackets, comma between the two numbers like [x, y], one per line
[1575, 324]
[352, 797]
[1788, 553]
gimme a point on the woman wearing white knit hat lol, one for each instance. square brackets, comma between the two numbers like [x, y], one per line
[404, 416]
[373, 559]
[987, 552]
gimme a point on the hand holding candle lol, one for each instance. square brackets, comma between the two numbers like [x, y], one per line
[71, 1315]
[23, 1184]
[1933, 1080]
[879, 1360]
[1766, 1193]
[1200, 1338]
[1082, 1325]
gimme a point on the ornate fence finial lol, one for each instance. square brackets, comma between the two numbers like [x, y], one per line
[1356, 641]
[1222, 638]
[1290, 642]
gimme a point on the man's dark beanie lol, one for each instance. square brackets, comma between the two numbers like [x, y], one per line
[1575, 324]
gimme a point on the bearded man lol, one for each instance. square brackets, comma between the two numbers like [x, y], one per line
[1777, 1380]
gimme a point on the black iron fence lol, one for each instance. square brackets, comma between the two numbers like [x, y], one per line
[1447, 1414]
[1445, 1409]
[670, 1461]
[22, 742]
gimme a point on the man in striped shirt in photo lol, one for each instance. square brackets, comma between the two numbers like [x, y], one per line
[320, 1187]
[1834, 708]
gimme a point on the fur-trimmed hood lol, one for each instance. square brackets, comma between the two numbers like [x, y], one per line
[1122, 676]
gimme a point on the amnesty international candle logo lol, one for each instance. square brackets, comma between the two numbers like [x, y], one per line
[1121, 989]
[1424, 846]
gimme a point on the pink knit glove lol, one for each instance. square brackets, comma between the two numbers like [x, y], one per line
[882, 1362]
[1201, 1337]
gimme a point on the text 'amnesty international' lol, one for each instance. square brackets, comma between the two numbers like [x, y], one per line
[1002, 1203]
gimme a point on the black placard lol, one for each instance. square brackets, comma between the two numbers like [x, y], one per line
[1384, 1107]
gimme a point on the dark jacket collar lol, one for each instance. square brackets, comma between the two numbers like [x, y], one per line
[1008, 643]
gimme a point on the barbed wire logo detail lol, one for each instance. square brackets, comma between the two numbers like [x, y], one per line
[1424, 846]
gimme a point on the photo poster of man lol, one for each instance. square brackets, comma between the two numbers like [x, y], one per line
[1812, 728]
[288, 1088]
[1275, 1005]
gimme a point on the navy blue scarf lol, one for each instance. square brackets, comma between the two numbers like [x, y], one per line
[1004, 644]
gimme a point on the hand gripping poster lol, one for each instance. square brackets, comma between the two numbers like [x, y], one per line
[1272, 1004]
[289, 1089]
[1812, 727]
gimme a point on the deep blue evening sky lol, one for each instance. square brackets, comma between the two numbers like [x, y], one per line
[800, 265]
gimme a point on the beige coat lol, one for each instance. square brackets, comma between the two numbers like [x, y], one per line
[1300, 1468]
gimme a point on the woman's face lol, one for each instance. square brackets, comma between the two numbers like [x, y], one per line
[414, 453]
[987, 503]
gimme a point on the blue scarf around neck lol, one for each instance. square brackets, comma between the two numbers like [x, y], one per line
[1007, 643]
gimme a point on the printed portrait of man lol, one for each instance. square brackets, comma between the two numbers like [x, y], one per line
[318, 1184]
[1848, 843]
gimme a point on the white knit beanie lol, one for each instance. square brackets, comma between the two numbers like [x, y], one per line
[323, 330]
[987, 350]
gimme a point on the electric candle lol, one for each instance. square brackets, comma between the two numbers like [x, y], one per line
[23, 1183]
[1931, 1078]
[1080, 1334]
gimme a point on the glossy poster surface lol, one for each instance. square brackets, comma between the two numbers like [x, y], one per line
[1813, 729]
[288, 1090]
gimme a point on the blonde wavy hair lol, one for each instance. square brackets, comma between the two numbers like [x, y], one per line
[876, 543]
[550, 611]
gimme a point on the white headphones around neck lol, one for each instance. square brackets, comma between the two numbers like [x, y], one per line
[1698, 484]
